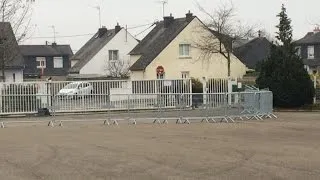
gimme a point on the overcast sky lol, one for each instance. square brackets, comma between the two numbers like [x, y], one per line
[77, 17]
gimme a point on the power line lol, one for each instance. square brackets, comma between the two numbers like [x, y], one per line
[145, 30]
[90, 34]
[139, 26]
[68, 36]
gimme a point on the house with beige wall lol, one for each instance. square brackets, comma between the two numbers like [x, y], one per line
[169, 52]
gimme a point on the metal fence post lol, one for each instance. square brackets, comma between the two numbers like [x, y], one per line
[191, 93]
[158, 116]
[129, 112]
[225, 99]
[108, 120]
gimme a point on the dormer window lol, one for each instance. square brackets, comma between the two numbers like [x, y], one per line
[310, 52]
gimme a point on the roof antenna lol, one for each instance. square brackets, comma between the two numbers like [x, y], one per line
[54, 33]
[99, 11]
[163, 2]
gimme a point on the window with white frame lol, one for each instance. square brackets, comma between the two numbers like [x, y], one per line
[310, 52]
[113, 55]
[41, 62]
[298, 51]
[185, 74]
[184, 50]
[57, 62]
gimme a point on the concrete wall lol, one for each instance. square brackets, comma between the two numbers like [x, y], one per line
[215, 67]
[98, 64]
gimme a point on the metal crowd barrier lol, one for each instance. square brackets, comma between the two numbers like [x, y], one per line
[183, 108]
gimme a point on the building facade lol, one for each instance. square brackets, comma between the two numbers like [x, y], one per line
[106, 53]
[169, 52]
[308, 48]
[11, 60]
[46, 60]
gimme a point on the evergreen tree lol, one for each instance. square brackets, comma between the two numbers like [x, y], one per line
[283, 72]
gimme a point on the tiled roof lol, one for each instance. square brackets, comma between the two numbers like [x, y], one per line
[310, 38]
[157, 40]
[13, 56]
[90, 49]
[45, 50]
[253, 52]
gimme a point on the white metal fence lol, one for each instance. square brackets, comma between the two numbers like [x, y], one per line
[160, 95]
[67, 96]
[218, 107]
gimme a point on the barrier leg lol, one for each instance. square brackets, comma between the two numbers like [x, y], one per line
[179, 120]
[156, 121]
[115, 122]
[225, 119]
[106, 122]
[165, 121]
[273, 115]
[51, 124]
[134, 121]
[186, 121]
[232, 119]
[213, 120]
[60, 124]
[205, 119]
[2, 125]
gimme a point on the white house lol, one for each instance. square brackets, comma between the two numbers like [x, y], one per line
[106, 53]
[13, 60]
[169, 52]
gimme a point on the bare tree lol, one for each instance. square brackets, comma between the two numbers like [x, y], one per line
[118, 68]
[18, 13]
[225, 29]
[15, 26]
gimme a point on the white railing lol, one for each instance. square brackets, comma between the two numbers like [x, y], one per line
[180, 108]
[28, 97]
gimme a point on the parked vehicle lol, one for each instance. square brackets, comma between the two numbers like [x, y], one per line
[75, 90]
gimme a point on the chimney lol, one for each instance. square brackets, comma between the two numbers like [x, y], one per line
[117, 28]
[310, 34]
[102, 31]
[46, 43]
[189, 16]
[316, 29]
[259, 33]
[167, 20]
[54, 44]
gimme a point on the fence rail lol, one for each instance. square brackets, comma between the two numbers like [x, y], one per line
[181, 108]
[256, 104]
[129, 96]
[28, 97]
